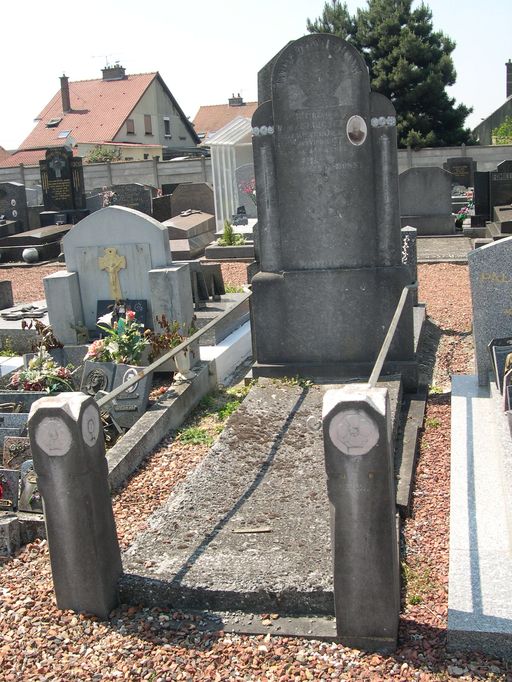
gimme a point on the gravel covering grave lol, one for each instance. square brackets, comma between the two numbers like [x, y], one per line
[39, 642]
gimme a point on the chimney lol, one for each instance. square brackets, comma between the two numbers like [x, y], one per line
[236, 101]
[114, 73]
[64, 92]
[509, 78]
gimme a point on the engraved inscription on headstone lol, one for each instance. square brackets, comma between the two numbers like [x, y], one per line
[62, 180]
[353, 432]
[13, 203]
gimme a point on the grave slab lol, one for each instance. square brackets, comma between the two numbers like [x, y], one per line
[249, 529]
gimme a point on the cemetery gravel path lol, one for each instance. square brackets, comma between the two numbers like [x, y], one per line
[39, 642]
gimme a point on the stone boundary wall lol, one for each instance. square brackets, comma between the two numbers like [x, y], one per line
[157, 173]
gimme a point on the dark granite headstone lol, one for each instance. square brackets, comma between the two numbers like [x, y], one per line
[481, 196]
[132, 195]
[500, 185]
[328, 218]
[194, 195]
[162, 208]
[13, 203]
[62, 180]
[462, 169]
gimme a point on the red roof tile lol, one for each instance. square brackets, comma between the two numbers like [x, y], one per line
[213, 117]
[98, 109]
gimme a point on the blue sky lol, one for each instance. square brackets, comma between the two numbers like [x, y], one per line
[206, 50]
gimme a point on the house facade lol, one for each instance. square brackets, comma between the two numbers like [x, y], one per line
[135, 110]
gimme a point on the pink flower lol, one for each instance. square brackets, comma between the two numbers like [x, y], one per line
[130, 315]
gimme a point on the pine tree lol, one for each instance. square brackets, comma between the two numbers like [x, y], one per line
[409, 62]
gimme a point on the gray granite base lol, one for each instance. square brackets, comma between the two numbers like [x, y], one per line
[480, 576]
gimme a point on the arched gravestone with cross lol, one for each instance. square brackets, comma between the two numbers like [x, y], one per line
[328, 234]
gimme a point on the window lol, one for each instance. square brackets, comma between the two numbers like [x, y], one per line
[167, 127]
[64, 133]
[146, 156]
[130, 126]
[148, 130]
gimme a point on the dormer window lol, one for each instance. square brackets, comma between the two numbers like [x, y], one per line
[53, 122]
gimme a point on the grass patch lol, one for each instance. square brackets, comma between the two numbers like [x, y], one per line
[233, 289]
[432, 422]
[434, 390]
[417, 583]
[294, 381]
[195, 435]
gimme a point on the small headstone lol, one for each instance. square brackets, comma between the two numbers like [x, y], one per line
[13, 203]
[131, 195]
[462, 169]
[490, 276]
[481, 197]
[425, 200]
[9, 534]
[194, 195]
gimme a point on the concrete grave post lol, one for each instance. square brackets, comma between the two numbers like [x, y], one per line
[359, 466]
[69, 460]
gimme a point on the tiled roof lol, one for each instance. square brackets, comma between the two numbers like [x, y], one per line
[213, 117]
[29, 157]
[98, 110]
[4, 154]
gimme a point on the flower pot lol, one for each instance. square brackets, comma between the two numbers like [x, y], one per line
[183, 363]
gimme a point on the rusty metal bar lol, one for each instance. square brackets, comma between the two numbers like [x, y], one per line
[379, 363]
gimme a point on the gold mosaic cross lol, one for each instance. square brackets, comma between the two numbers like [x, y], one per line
[112, 262]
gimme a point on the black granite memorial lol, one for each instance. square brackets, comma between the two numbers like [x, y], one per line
[62, 180]
[131, 194]
[328, 220]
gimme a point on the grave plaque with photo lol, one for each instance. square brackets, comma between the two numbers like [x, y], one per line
[131, 404]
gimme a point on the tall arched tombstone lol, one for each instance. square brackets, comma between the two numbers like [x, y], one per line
[326, 171]
[68, 450]
[360, 484]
